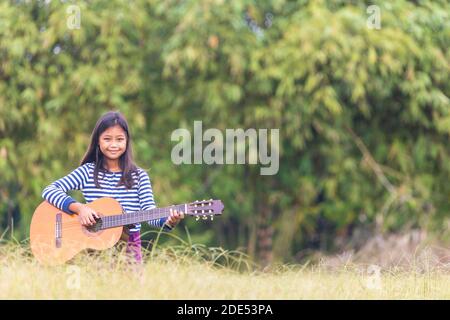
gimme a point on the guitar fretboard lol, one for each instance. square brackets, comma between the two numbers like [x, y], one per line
[139, 216]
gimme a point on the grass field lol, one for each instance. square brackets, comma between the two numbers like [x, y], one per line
[196, 272]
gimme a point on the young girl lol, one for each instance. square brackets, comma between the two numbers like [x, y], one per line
[108, 170]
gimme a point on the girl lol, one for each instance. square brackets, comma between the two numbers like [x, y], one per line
[108, 170]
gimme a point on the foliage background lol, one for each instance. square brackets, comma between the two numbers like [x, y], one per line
[363, 113]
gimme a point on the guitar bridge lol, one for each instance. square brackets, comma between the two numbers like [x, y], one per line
[58, 230]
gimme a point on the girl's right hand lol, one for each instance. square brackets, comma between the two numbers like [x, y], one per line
[86, 215]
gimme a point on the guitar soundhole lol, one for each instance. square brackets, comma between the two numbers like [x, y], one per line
[94, 229]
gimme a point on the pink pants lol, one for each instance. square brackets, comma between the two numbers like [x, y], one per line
[134, 247]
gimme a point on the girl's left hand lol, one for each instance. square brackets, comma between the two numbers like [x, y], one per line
[174, 218]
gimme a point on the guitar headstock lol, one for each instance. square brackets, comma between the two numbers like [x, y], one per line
[205, 208]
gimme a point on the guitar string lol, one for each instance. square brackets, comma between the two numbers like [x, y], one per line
[116, 220]
[133, 215]
[77, 225]
[121, 219]
[124, 219]
[122, 222]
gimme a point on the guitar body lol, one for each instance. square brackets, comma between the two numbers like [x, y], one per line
[56, 236]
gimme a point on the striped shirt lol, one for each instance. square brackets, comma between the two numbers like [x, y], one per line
[140, 197]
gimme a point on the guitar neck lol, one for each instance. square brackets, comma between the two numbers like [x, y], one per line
[139, 216]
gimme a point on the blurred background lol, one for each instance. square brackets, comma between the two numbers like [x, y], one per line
[358, 89]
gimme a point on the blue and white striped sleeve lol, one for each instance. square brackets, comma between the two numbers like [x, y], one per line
[56, 193]
[147, 201]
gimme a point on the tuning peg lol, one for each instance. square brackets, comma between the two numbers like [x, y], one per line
[197, 218]
[212, 217]
[205, 217]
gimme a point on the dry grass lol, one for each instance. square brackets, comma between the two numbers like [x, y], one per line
[195, 272]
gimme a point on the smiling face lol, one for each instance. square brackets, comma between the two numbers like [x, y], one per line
[113, 142]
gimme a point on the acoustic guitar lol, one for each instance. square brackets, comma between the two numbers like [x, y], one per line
[56, 236]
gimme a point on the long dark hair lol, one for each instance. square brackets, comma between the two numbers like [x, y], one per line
[94, 154]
